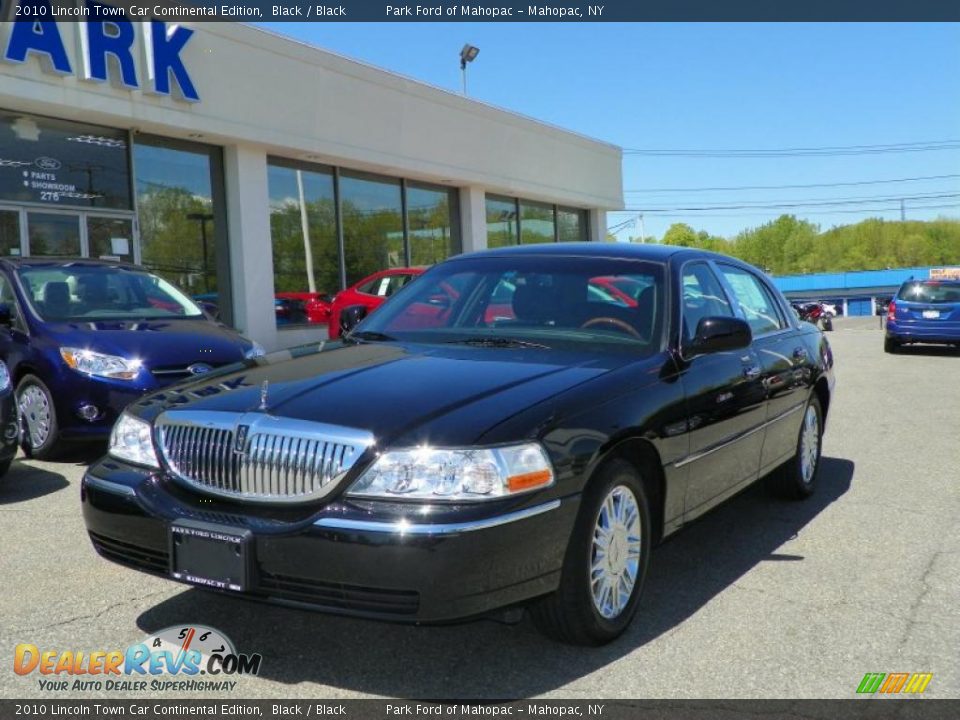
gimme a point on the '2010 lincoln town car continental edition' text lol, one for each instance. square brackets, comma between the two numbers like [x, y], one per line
[516, 427]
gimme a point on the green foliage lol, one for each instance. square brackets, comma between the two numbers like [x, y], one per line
[790, 246]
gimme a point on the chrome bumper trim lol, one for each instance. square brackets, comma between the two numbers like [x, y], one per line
[108, 486]
[408, 528]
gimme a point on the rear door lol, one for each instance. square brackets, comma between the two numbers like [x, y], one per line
[783, 357]
[726, 402]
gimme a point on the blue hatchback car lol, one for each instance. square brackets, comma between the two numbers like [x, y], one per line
[924, 311]
[83, 338]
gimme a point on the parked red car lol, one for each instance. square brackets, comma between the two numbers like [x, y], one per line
[371, 292]
[315, 307]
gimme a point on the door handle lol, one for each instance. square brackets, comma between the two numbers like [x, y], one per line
[752, 372]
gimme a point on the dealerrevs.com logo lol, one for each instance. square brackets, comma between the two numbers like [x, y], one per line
[178, 658]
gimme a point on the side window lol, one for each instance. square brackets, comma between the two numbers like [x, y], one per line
[702, 297]
[369, 288]
[394, 283]
[754, 298]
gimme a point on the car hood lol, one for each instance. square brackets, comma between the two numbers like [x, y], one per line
[403, 394]
[158, 343]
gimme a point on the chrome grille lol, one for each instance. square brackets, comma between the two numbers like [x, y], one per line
[254, 456]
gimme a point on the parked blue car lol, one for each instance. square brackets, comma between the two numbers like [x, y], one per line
[924, 311]
[83, 338]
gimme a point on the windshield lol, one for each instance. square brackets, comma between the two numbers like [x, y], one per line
[930, 292]
[92, 292]
[528, 301]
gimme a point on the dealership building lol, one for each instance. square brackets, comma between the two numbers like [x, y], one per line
[241, 164]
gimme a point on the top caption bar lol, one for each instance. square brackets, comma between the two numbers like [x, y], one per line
[488, 11]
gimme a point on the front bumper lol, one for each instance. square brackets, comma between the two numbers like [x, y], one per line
[346, 559]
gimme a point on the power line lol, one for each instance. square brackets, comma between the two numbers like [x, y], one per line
[820, 213]
[814, 202]
[792, 187]
[838, 150]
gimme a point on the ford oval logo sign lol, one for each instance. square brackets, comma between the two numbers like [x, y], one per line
[199, 369]
[47, 163]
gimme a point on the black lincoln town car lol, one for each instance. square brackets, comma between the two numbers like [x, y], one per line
[515, 427]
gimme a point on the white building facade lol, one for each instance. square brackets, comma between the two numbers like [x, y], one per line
[243, 165]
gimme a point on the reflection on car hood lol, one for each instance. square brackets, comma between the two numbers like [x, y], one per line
[158, 343]
[404, 394]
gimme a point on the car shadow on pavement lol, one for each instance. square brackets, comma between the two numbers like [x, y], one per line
[25, 482]
[486, 659]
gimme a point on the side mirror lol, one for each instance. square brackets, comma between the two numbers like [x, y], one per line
[210, 309]
[351, 316]
[718, 334]
[6, 318]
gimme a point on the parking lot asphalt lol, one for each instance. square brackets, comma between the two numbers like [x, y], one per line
[761, 598]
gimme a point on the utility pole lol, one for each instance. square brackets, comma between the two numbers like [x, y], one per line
[903, 211]
[643, 234]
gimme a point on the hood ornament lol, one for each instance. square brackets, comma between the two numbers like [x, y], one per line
[264, 388]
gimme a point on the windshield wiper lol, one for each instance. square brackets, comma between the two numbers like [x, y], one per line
[500, 342]
[370, 335]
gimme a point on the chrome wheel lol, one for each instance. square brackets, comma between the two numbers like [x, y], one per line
[615, 552]
[36, 413]
[809, 444]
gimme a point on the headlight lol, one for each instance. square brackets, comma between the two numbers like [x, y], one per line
[131, 441]
[99, 364]
[255, 351]
[468, 474]
[4, 376]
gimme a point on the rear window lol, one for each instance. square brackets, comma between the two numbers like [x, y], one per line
[930, 292]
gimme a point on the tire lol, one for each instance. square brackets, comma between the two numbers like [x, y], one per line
[38, 434]
[891, 346]
[580, 612]
[797, 479]
[827, 324]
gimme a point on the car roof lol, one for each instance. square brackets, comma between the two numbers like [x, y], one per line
[626, 251]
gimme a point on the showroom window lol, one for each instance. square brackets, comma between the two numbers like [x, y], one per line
[60, 163]
[433, 223]
[180, 206]
[502, 222]
[383, 222]
[571, 225]
[536, 223]
[371, 209]
[303, 228]
[512, 221]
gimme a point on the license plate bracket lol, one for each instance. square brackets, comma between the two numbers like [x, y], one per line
[211, 555]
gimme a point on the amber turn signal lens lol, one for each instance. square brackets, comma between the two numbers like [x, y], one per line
[528, 481]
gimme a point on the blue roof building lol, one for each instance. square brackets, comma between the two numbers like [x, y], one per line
[859, 293]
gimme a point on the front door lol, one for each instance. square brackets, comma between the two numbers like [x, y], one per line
[726, 404]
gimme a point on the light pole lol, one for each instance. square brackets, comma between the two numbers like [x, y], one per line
[467, 55]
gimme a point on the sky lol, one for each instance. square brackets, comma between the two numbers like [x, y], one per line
[712, 87]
